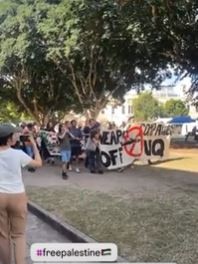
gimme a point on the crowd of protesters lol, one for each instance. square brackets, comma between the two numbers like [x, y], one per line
[73, 140]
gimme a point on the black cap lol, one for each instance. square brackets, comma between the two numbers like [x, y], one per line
[7, 129]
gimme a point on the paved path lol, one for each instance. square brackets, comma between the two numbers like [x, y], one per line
[40, 232]
[136, 180]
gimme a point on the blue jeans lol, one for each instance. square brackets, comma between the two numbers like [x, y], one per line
[65, 156]
[29, 151]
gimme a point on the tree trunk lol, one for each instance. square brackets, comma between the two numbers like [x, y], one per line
[45, 119]
[27, 109]
[94, 111]
[18, 86]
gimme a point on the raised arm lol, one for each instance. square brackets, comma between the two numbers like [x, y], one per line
[37, 161]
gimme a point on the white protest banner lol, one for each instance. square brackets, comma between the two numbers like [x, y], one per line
[156, 141]
[142, 141]
[112, 153]
[158, 129]
[146, 141]
[155, 148]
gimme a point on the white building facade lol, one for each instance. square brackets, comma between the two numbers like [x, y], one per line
[121, 113]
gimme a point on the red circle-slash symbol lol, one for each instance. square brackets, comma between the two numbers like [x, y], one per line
[133, 138]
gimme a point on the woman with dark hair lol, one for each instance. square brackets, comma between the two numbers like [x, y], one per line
[50, 127]
[93, 152]
[13, 200]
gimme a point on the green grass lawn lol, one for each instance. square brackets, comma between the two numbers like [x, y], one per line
[154, 228]
[188, 161]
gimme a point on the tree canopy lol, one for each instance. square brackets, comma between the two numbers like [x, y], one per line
[170, 31]
[75, 53]
[146, 107]
[10, 113]
[57, 55]
[26, 76]
[92, 43]
[175, 108]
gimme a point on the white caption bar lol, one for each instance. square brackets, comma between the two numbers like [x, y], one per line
[74, 252]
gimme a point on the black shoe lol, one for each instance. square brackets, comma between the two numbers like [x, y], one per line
[100, 172]
[92, 171]
[64, 176]
[31, 170]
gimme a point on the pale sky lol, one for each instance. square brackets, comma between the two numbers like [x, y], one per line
[177, 85]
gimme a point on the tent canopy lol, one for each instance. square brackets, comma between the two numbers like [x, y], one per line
[181, 120]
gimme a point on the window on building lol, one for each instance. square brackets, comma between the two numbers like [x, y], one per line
[130, 106]
[123, 109]
[130, 109]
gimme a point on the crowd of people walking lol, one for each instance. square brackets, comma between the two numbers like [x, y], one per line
[73, 141]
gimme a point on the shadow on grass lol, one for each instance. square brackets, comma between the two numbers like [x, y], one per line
[167, 160]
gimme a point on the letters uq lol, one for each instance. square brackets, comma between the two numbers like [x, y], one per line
[151, 147]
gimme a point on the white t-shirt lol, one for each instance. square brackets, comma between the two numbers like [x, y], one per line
[11, 161]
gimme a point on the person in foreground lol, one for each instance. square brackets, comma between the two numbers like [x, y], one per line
[13, 199]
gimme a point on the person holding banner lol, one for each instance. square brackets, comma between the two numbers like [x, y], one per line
[93, 152]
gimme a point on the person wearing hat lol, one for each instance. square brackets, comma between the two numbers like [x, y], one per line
[13, 200]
